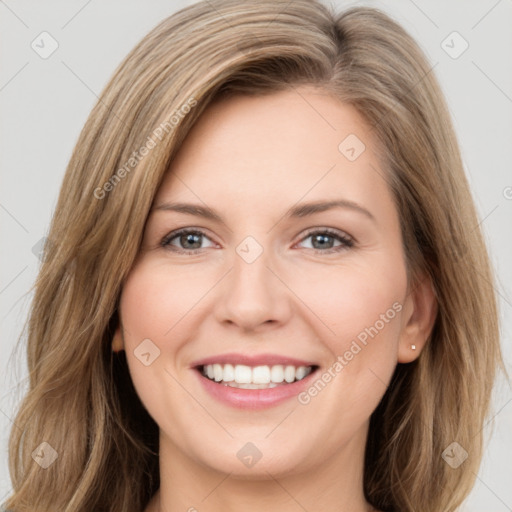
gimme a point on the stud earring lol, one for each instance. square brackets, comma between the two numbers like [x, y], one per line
[413, 347]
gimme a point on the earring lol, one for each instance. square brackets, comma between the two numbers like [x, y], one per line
[413, 347]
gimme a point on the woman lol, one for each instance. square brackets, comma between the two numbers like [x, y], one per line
[265, 288]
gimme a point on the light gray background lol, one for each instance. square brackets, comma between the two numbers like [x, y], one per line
[45, 103]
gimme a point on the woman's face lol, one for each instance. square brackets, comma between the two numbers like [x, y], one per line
[273, 245]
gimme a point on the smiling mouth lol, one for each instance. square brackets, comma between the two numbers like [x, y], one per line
[254, 377]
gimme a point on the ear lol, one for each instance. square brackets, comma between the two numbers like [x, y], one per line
[117, 340]
[419, 315]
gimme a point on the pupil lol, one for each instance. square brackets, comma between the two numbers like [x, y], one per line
[323, 239]
[193, 239]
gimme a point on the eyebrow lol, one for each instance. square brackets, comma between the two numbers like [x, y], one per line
[296, 211]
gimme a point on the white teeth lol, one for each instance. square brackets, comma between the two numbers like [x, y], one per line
[301, 372]
[217, 372]
[229, 373]
[277, 373]
[243, 374]
[250, 386]
[261, 375]
[289, 374]
[257, 377]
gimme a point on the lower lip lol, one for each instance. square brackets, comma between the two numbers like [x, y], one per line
[254, 399]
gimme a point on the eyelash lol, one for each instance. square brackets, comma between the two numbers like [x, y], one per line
[346, 241]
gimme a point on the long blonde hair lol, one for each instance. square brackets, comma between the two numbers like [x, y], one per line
[81, 400]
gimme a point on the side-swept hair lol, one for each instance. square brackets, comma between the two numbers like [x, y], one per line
[81, 400]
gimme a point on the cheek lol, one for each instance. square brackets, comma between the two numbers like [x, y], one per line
[154, 301]
[347, 300]
[358, 318]
[151, 307]
[365, 356]
[154, 305]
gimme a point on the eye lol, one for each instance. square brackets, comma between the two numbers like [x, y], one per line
[328, 240]
[190, 241]
[185, 240]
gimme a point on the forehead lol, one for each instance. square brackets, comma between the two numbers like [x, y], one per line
[274, 148]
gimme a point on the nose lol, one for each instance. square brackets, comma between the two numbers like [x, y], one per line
[253, 296]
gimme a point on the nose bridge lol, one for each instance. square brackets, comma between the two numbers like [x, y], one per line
[252, 294]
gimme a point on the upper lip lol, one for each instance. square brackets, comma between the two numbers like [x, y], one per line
[252, 360]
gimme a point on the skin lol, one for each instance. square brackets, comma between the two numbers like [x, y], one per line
[251, 159]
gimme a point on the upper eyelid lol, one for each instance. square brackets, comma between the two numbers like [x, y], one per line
[331, 231]
[176, 232]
